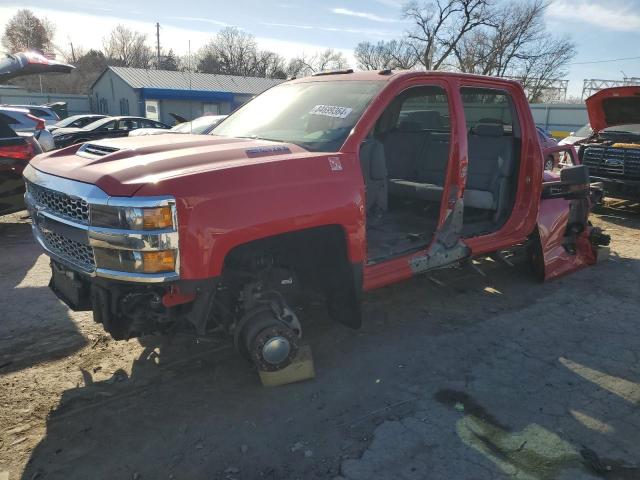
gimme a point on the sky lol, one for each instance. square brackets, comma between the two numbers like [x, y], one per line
[601, 30]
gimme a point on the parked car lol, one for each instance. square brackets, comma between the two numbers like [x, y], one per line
[582, 133]
[15, 152]
[47, 114]
[75, 121]
[21, 121]
[198, 126]
[334, 184]
[18, 148]
[108, 127]
[612, 152]
[552, 160]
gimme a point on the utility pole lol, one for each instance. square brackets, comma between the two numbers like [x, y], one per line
[73, 53]
[158, 44]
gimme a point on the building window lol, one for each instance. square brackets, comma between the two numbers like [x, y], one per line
[103, 106]
[124, 106]
[210, 109]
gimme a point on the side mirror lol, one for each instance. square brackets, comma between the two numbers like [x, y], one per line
[576, 175]
[573, 184]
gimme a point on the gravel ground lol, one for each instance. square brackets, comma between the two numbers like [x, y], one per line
[454, 376]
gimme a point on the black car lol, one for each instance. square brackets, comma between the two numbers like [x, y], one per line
[109, 127]
[76, 121]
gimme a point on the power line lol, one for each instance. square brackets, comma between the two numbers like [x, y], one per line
[606, 61]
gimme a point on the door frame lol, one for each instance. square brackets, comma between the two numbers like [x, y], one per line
[523, 217]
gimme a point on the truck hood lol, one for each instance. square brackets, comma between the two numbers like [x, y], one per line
[121, 166]
[614, 106]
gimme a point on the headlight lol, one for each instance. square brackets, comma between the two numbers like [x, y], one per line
[132, 218]
[62, 137]
[136, 262]
[135, 236]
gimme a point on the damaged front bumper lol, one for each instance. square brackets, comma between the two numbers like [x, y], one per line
[116, 272]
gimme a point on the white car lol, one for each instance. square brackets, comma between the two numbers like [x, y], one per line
[47, 114]
[580, 134]
[24, 123]
[198, 126]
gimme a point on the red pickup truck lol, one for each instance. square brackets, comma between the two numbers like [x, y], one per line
[335, 184]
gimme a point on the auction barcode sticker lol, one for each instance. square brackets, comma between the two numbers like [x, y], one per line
[331, 111]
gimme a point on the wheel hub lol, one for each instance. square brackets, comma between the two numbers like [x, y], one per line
[276, 350]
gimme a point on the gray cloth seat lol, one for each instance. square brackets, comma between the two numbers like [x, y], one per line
[490, 168]
[374, 172]
[418, 190]
[424, 180]
[402, 147]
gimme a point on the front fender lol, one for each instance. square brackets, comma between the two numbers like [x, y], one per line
[220, 210]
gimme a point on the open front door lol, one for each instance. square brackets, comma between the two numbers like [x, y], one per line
[410, 166]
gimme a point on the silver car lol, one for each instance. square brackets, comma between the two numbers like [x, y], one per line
[25, 123]
[47, 114]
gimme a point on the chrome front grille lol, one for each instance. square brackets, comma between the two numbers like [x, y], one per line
[58, 203]
[612, 161]
[70, 250]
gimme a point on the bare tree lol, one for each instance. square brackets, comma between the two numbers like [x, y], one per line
[127, 48]
[545, 63]
[517, 45]
[328, 59]
[236, 51]
[269, 64]
[25, 31]
[441, 25]
[394, 54]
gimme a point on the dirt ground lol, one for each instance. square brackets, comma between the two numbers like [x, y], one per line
[453, 376]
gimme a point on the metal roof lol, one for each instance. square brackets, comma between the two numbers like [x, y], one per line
[169, 80]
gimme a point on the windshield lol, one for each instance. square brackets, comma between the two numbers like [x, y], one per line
[317, 116]
[68, 121]
[198, 126]
[97, 123]
[583, 131]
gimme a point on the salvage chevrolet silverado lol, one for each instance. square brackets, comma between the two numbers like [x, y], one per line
[335, 184]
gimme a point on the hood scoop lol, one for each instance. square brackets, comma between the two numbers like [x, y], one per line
[91, 151]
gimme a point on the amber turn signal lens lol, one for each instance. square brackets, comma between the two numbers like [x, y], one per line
[156, 218]
[162, 261]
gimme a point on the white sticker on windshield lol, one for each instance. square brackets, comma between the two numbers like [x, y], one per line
[331, 111]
